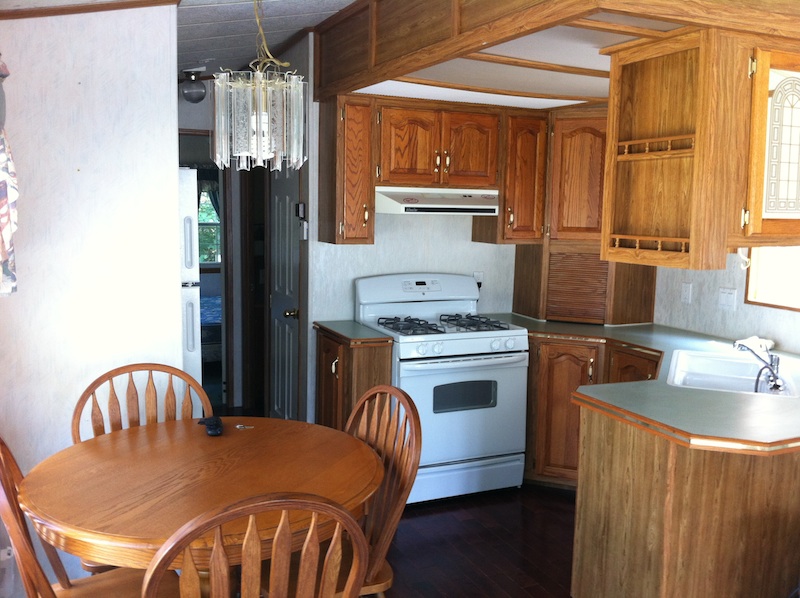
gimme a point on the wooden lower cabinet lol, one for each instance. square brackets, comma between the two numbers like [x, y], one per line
[625, 363]
[559, 367]
[347, 367]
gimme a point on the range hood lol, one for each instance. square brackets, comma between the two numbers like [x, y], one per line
[436, 200]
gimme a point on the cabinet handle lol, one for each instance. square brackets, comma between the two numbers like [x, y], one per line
[510, 217]
[591, 370]
[446, 162]
[334, 365]
[366, 215]
[437, 161]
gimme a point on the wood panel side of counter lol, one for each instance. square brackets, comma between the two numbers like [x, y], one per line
[655, 518]
[620, 501]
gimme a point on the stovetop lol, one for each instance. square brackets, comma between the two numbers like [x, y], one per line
[433, 314]
[448, 323]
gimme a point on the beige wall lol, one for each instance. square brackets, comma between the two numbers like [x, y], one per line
[92, 123]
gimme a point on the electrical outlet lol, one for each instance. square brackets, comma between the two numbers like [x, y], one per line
[478, 276]
[727, 299]
[686, 293]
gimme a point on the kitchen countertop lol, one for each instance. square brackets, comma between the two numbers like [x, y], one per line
[703, 419]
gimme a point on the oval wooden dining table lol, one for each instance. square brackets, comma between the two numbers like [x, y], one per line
[116, 498]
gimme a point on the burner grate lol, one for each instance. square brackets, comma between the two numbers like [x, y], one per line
[472, 322]
[409, 326]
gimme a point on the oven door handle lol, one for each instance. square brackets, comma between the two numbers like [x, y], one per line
[464, 362]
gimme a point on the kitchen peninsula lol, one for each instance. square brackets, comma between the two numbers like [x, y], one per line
[686, 492]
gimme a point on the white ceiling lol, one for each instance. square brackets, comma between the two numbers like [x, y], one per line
[222, 34]
[219, 34]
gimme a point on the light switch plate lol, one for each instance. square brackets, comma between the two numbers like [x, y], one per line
[727, 299]
[686, 293]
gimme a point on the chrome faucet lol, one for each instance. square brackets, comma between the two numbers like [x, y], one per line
[760, 347]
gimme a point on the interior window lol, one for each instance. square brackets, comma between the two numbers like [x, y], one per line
[770, 278]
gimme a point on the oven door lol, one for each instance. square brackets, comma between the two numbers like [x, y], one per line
[470, 407]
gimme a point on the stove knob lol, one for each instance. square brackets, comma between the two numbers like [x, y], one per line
[438, 348]
[495, 345]
[510, 343]
[422, 349]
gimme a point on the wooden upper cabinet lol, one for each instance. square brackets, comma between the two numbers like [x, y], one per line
[526, 165]
[410, 146]
[774, 199]
[676, 172]
[577, 178]
[469, 149]
[347, 195]
[432, 147]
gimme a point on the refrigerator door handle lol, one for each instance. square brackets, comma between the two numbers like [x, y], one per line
[190, 244]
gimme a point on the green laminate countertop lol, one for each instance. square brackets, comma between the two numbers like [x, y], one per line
[703, 419]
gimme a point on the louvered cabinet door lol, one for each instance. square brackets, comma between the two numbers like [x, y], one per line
[576, 287]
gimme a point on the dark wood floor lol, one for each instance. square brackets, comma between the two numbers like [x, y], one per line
[515, 542]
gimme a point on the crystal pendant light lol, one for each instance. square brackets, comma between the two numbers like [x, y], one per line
[259, 115]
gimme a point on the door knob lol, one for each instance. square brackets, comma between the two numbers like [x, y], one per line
[291, 313]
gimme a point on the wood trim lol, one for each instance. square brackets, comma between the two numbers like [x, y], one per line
[619, 28]
[532, 64]
[683, 438]
[495, 91]
[635, 43]
[72, 9]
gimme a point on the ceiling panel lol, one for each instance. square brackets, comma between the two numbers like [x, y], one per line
[484, 75]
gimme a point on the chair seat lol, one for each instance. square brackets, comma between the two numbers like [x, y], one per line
[117, 583]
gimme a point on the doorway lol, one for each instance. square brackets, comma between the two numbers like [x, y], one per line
[214, 217]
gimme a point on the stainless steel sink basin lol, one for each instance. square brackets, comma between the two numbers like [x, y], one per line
[727, 370]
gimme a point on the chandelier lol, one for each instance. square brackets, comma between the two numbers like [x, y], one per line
[259, 115]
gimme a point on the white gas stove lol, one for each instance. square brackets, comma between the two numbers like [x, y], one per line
[466, 373]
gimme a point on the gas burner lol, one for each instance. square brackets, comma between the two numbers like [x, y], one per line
[472, 322]
[409, 326]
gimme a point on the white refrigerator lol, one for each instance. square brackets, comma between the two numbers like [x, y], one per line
[190, 274]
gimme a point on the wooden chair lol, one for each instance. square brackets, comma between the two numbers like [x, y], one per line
[301, 522]
[386, 418]
[135, 380]
[100, 398]
[119, 583]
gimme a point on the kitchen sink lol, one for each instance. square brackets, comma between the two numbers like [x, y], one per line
[728, 370]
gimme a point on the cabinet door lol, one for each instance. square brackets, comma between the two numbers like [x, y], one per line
[330, 384]
[563, 368]
[774, 195]
[469, 149]
[357, 199]
[631, 366]
[410, 146]
[526, 164]
[577, 189]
